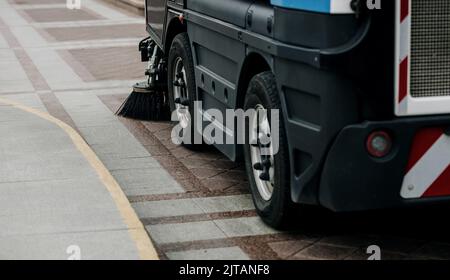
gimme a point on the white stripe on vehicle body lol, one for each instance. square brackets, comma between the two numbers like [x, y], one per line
[425, 172]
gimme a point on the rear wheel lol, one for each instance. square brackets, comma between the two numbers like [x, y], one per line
[182, 89]
[268, 170]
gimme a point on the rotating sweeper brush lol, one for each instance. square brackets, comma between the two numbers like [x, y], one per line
[148, 101]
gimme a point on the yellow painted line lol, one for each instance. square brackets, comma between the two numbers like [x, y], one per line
[135, 227]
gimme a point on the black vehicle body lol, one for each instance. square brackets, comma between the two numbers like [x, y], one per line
[336, 79]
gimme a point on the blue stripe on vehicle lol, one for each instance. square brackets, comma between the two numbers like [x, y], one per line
[322, 6]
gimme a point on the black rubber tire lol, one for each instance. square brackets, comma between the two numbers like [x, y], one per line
[279, 210]
[181, 48]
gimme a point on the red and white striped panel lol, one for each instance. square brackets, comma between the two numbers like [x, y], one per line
[403, 51]
[405, 104]
[428, 171]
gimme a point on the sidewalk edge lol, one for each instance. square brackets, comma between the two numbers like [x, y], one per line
[136, 229]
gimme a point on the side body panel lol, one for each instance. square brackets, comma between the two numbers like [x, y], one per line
[155, 15]
[218, 59]
[325, 69]
[316, 102]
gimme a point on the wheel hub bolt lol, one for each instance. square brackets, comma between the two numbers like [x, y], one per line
[265, 176]
[258, 166]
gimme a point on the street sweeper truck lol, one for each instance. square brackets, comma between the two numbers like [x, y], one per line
[362, 91]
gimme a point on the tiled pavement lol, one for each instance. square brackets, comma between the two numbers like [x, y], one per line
[55, 196]
[79, 65]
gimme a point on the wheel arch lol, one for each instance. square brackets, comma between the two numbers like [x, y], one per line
[174, 27]
[254, 63]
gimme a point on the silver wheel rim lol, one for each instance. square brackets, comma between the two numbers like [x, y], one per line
[180, 76]
[258, 127]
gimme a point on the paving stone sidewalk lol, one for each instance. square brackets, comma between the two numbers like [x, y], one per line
[79, 64]
[53, 203]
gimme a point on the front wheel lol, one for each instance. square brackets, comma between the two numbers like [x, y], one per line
[267, 167]
[182, 89]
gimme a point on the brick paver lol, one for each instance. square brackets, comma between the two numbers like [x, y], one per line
[60, 14]
[194, 204]
[96, 32]
[102, 62]
[36, 2]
